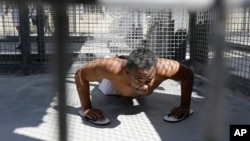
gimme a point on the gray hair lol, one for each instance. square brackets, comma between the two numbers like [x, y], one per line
[141, 58]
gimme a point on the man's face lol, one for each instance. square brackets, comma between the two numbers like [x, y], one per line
[140, 79]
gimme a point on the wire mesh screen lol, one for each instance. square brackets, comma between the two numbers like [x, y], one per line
[98, 31]
[35, 19]
[110, 31]
[203, 52]
[28, 34]
[95, 31]
[236, 55]
[9, 33]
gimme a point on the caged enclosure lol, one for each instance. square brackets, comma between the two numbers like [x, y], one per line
[60, 36]
[99, 31]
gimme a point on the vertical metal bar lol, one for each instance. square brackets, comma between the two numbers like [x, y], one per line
[40, 31]
[74, 23]
[3, 5]
[24, 34]
[214, 128]
[192, 34]
[61, 36]
[248, 19]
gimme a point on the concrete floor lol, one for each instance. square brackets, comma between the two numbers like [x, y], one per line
[29, 110]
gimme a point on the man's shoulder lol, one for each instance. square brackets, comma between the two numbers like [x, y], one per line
[112, 65]
[166, 61]
[167, 67]
[111, 61]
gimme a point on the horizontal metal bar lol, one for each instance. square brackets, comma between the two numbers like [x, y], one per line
[160, 3]
[237, 3]
[190, 4]
[71, 39]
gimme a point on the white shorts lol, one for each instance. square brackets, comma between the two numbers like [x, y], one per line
[107, 88]
[15, 16]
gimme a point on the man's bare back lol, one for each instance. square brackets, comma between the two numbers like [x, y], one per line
[133, 82]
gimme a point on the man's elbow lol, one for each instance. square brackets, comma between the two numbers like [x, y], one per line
[189, 76]
[78, 74]
[82, 75]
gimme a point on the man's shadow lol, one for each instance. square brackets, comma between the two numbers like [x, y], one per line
[155, 106]
[111, 105]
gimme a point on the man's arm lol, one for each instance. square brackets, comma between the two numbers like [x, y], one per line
[186, 77]
[171, 69]
[82, 86]
[83, 76]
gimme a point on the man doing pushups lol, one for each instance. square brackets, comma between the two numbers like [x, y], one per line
[138, 74]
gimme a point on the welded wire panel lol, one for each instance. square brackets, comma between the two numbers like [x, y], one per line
[40, 23]
[98, 31]
[41, 31]
[8, 33]
[109, 31]
[167, 35]
[203, 52]
[236, 54]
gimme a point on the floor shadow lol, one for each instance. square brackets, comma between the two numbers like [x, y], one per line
[112, 106]
[155, 106]
[24, 101]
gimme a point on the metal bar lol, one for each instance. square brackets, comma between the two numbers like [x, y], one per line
[24, 34]
[159, 3]
[191, 4]
[214, 117]
[192, 34]
[61, 34]
[40, 31]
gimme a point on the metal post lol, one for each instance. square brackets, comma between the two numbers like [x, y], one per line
[214, 115]
[74, 17]
[24, 34]
[61, 36]
[192, 34]
[3, 4]
[40, 32]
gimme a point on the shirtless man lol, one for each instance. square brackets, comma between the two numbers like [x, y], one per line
[137, 75]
